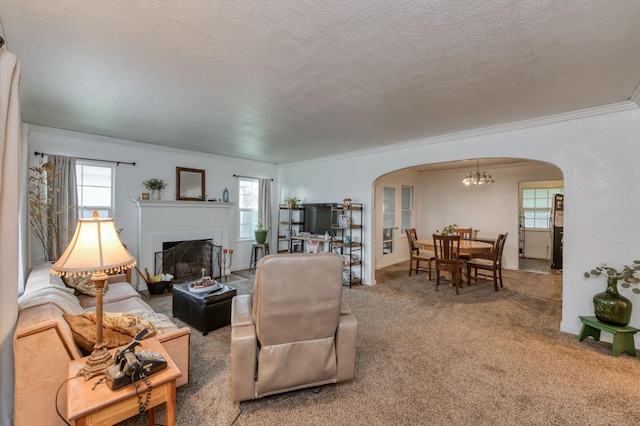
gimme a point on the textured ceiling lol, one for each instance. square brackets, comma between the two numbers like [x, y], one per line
[291, 80]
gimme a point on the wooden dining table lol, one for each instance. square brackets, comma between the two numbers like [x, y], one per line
[472, 247]
[466, 246]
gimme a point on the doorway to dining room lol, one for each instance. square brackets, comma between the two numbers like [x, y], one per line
[439, 198]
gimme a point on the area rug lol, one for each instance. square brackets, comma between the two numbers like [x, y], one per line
[431, 357]
[205, 399]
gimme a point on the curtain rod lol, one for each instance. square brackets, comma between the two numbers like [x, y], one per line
[249, 177]
[117, 163]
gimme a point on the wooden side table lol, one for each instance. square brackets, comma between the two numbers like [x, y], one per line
[622, 335]
[103, 406]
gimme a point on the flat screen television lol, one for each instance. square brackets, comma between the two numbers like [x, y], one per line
[317, 218]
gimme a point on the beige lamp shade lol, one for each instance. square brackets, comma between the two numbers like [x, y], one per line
[95, 246]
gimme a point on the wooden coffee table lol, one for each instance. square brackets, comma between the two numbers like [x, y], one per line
[102, 406]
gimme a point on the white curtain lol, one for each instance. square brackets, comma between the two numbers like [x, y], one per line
[23, 227]
[264, 203]
[64, 203]
[10, 146]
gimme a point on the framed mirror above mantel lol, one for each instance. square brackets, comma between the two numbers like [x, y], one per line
[190, 184]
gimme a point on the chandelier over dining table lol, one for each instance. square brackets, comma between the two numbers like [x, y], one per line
[477, 178]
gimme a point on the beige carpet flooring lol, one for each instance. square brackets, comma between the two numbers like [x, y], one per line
[434, 358]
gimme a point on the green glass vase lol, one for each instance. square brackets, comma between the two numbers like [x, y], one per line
[610, 306]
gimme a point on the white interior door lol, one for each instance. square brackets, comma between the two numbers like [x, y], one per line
[389, 249]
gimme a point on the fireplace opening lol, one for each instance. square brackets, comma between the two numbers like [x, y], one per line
[185, 260]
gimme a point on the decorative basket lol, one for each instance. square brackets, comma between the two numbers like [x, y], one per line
[157, 287]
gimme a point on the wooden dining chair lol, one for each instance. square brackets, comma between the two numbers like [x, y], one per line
[465, 234]
[447, 258]
[491, 266]
[418, 256]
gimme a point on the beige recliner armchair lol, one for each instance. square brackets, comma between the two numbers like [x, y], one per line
[295, 331]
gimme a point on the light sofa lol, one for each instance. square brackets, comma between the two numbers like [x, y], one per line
[43, 346]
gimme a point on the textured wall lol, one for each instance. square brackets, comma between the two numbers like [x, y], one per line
[597, 155]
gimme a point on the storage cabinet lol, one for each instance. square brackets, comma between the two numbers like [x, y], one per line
[347, 242]
[290, 223]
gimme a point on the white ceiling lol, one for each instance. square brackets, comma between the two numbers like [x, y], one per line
[291, 80]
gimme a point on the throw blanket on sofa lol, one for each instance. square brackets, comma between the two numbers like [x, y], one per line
[159, 321]
[63, 297]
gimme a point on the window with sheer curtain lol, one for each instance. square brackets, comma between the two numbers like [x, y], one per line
[95, 183]
[248, 202]
[407, 208]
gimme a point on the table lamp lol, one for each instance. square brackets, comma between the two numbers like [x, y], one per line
[95, 249]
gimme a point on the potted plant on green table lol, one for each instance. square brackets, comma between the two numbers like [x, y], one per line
[260, 233]
[155, 186]
[610, 306]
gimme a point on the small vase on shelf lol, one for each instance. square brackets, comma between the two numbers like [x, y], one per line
[155, 185]
[225, 195]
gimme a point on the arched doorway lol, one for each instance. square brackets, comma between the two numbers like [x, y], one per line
[430, 196]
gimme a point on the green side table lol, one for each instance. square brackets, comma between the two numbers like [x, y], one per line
[622, 335]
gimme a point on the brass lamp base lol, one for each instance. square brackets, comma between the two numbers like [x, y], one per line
[100, 358]
[96, 364]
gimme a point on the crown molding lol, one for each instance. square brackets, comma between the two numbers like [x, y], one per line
[56, 131]
[631, 104]
[517, 125]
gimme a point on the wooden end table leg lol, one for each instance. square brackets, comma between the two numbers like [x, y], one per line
[151, 416]
[587, 331]
[171, 404]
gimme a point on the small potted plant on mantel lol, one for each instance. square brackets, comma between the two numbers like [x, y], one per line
[155, 186]
[610, 306]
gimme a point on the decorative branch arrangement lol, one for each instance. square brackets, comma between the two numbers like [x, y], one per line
[627, 274]
[41, 213]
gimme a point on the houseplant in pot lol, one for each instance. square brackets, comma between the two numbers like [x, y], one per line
[292, 202]
[260, 233]
[155, 186]
[610, 306]
[447, 230]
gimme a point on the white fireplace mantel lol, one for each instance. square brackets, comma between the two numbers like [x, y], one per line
[182, 204]
[160, 221]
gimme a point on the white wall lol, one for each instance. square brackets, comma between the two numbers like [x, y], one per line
[597, 154]
[153, 161]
